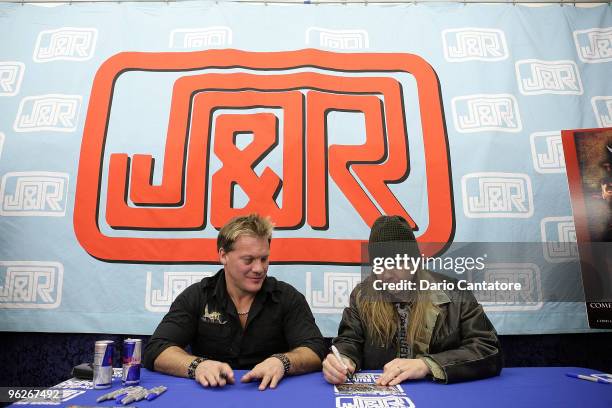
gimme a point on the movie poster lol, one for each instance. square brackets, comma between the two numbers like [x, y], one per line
[588, 157]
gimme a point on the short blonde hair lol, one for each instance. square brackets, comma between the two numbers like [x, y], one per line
[253, 225]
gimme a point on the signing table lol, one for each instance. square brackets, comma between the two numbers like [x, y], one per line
[515, 387]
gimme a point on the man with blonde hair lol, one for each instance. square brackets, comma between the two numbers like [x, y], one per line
[237, 319]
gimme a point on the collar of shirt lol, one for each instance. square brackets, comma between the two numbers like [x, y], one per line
[269, 290]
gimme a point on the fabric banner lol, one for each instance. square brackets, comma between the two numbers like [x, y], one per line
[129, 133]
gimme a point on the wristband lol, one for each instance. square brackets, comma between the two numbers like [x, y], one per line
[192, 367]
[285, 360]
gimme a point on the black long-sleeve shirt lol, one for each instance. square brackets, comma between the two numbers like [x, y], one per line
[204, 317]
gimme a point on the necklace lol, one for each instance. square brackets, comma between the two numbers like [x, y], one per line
[239, 313]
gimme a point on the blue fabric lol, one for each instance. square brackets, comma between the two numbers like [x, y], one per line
[516, 387]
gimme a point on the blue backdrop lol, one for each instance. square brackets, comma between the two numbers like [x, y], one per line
[460, 106]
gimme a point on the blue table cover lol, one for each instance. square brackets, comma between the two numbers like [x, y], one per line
[515, 387]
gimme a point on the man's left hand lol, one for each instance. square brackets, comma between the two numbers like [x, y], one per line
[270, 371]
[400, 369]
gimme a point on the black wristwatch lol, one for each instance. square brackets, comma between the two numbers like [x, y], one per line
[285, 360]
[192, 367]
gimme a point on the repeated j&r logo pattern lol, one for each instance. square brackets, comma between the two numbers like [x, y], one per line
[497, 195]
[479, 113]
[337, 39]
[334, 296]
[367, 120]
[547, 152]
[32, 194]
[594, 45]
[31, 284]
[559, 236]
[11, 76]
[173, 283]
[66, 43]
[52, 112]
[528, 298]
[201, 38]
[474, 44]
[602, 107]
[536, 77]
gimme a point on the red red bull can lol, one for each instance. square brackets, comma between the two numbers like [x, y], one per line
[103, 364]
[131, 358]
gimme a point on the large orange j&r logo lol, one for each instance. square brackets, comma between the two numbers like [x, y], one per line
[226, 93]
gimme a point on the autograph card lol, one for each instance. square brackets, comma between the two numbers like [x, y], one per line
[364, 384]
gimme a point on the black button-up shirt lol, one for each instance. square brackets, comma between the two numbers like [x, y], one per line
[204, 317]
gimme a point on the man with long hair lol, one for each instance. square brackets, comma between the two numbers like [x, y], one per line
[411, 334]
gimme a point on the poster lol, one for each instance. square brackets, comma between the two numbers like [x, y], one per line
[588, 156]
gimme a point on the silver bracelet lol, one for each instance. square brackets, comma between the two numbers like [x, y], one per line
[192, 367]
[285, 360]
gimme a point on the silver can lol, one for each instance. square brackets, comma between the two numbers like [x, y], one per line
[103, 364]
[131, 359]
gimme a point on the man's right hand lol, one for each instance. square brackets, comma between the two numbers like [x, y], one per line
[211, 373]
[333, 371]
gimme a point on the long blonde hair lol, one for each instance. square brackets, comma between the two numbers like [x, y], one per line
[389, 235]
[381, 320]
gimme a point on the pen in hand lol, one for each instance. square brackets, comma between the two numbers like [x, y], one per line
[349, 375]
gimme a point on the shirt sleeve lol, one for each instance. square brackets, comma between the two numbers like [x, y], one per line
[436, 370]
[177, 328]
[300, 327]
